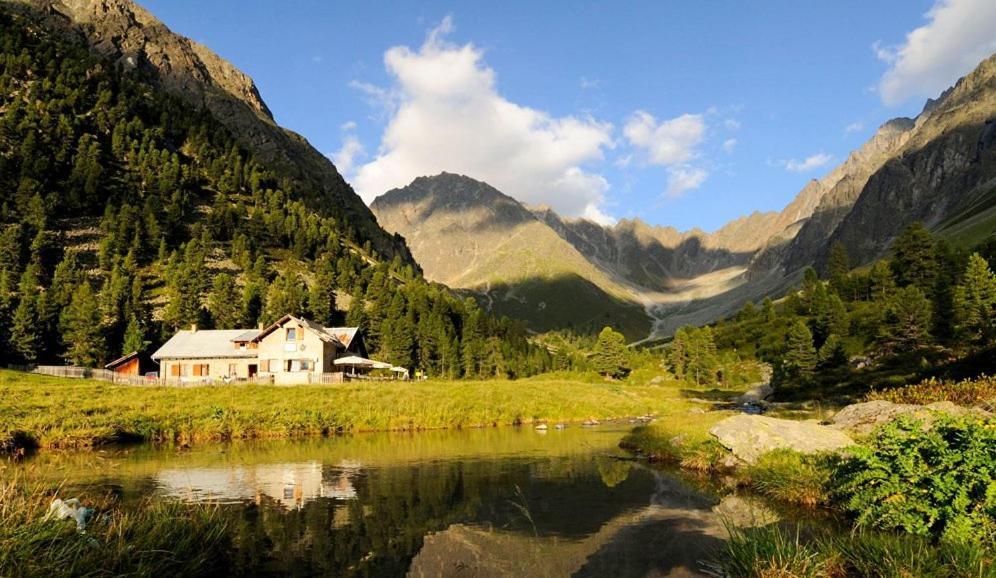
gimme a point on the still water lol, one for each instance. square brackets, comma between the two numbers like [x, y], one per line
[495, 502]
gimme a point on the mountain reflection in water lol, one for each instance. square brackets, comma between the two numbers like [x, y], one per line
[499, 502]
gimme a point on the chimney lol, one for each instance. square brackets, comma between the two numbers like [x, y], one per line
[261, 326]
[193, 328]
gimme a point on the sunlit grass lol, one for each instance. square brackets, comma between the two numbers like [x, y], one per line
[64, 413]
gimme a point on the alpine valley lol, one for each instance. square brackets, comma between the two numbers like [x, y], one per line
[648, 280]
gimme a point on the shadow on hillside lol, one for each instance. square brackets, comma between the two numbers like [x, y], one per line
[566, 302]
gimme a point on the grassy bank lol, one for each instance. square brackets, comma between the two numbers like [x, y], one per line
[148, 539]
[52, 412]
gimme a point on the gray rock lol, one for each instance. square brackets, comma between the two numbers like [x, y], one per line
[863, 418]
[755, 395]
[750, 436]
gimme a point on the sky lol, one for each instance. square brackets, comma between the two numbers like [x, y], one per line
[682, 113]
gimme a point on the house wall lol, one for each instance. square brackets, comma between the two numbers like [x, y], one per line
[130, 367]
[218, 367]
[275, 350]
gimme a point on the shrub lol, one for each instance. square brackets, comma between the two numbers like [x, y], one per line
[979, 391]
[940, 482]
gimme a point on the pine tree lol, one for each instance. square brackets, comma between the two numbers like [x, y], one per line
[914, 261]
[799, 360]
[975, 301]
[286, 295]
[81, 328]
[134, 337]
[321, 295]
[838, 268]
[25, 337]
[702, 362]
[609, 356]
[882, 283]
[224, 303]
[832, 354]
[906, 323]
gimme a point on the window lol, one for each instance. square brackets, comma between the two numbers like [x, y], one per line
[298, 365]
[202, 369]
[185, 369]
[174, 369]
[233, 370]
[264, 365]
[291, 334]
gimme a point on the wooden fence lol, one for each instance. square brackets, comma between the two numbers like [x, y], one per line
[75, 372]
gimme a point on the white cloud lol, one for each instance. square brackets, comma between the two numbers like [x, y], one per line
[958, 35]
[729, 145]
[854, 127]
[345, 158]
[447, 115]
[732, 124]
[348, 126]
[669, 142]
[810, 163]
[684, 178]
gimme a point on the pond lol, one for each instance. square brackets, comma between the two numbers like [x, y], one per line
[491, 502]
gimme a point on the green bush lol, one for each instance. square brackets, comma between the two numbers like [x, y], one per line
[939, 482]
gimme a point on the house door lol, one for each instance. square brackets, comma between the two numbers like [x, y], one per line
[252, 370]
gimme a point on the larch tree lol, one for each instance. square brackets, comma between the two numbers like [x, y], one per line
[609, 356]
[976, 301]
[81, 328]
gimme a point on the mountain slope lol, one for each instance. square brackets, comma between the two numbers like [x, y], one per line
[130, 209]
[468, 235]
[137, 42]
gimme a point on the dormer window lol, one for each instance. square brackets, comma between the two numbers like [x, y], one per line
[291, 334]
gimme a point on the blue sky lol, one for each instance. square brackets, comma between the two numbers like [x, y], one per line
[679, 113]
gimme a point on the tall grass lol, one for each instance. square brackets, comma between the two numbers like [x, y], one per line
[64, 413]
[150, 539]
[775, 551]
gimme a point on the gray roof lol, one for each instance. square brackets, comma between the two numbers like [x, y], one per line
[204, 343]
[248, 335]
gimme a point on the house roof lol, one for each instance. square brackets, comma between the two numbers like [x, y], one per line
[121, 360]
[204, 343]
[247, 336]
[345, 335]
[341, 335]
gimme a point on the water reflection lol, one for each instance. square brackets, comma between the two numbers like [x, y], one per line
[482, 503]
[291, 485]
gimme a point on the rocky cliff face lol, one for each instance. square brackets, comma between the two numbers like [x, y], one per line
[132, 37]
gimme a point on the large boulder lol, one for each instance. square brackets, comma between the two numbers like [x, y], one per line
[750, 436]
[863, 418]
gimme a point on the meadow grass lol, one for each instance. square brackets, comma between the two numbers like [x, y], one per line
[152, 538]
[51, 412]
